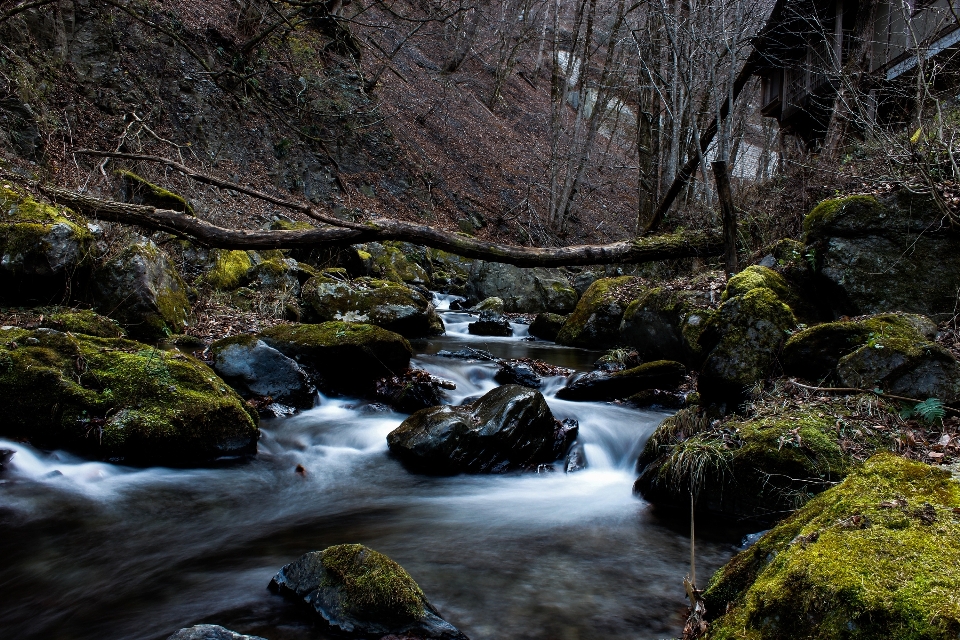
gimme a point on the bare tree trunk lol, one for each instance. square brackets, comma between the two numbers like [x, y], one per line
[721, 175]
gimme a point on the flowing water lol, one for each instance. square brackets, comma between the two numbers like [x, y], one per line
[94, 550]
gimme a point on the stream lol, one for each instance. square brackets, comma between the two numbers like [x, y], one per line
[95, 550]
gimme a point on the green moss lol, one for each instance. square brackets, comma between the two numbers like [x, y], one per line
[86, 322]
[290, 225]
[174, 310]
[877, 556]
[365, 256]
[153, 195]
[372, 585]
[116, 398]
[859, 207]
[327, 334]
[756, 276]
[231, 269]
[604, 301]
[244, 340]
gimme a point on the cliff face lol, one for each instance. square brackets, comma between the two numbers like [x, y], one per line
[306, 111]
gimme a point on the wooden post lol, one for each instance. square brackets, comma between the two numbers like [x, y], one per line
[722, 178]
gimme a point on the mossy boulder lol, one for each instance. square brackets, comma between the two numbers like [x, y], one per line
[742, 343]
[523, 290]
[140, 191]
[877, 256]
[509, 428]
[489, 304]
[142, 291]
[448, 271]
[813, 353]
[877, 556]
[912, 368]
[45, 252]
[255, 369]
[757, 467]
[546, 326]
[342, 356]
[230, 270]
[388, 261]
[661, 324]
[83, 321]
[602, 385]
[321, 257]
[362, 593]
[119, 400]
[391, 305]
[595, 322]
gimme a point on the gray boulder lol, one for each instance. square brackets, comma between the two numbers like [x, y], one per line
[142, 291]
[210, 632]
[911, 368]
[254, 368]
[546, 326]
[523, 290]
[361, 593]
[509, 428]
[491, 323]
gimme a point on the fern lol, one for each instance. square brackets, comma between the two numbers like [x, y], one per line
[930, 410]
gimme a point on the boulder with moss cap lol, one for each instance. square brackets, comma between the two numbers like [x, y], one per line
[142, 291]
[342, 356]
[361, 593]
[255, 369]
[390, 261]
[595, 322]
[138, 190]
[663, 324]
[391, 305]
[45, 252]
[877, 556]
[885, 255]
[83, 321]
[118, 399]
[546, 326]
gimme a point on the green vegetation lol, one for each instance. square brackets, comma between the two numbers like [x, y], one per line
[877, 556]
[857, 210]
[372, 585]
[231, 269]
[86, 322]
[596, 320]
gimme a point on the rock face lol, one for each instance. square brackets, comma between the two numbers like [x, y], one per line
[344, 357]
[742, 341]
[885, 256]
[893, 352]
[875, 557]
[118, 399]
[210, 632]
[393, 261]
[511, 427]
[141, 290]
[546, 326]
[362, 593]
[448, 271]
[491, 323]
[664, 325]
[522, 290]
[391, 305]
[595, 323]
[601, 385]
[255, 369]
[43, 252]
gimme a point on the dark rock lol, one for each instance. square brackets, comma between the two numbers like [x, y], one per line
[546, 326]
[490, 323]
[362, 593]
[576, 459]
[595, 323]
[520, 373]
[414, 390]
[210, 632]
[617, 360]
[912, 368]
[458, 304]
[255, 369]
[120, 400]
[663, 324]
[511, 427]
[6, 455]
[658, 399]
[344, 357]
[142, 291]
[467, 354]
[523, 290]
[600, 385]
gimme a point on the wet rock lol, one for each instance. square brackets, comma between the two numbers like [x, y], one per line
[742, 342]
[509, 428]
[414, 390]
[663, 324]
[362, 593]
[210, 632]
[491, 323]
[523, 290]
[393, 306]
[120, 400]
[45, 253]
[828, 572]
[546, 326]
[576, 459]
[521, 373]
[890, 255]
[86, 322]
[467, 354]
[343, 357]
[658, 399]
[489, 304]
[595, 323]
[142, 291]
[601, 385]
[6, 455]
[255, 369]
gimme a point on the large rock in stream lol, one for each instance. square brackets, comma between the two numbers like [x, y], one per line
[255, 369]
[603, 385]
[210, 632]
[509, 428]
[523, 290]
[119, 400]
[362, 593]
